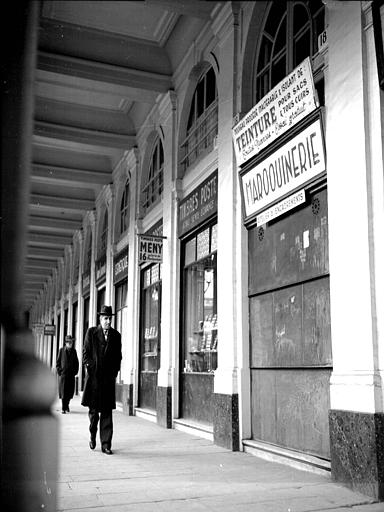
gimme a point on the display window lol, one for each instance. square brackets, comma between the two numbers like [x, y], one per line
[200, 302]
[150, 338]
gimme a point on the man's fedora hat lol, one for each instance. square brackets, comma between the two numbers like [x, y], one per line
[106, 311]
[69, 338]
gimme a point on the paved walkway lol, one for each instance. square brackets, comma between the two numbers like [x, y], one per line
[161, 470]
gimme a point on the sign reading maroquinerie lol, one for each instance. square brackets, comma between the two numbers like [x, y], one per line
[289, 167]
[285, 105]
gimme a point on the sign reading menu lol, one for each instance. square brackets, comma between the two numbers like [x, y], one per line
[284, 106]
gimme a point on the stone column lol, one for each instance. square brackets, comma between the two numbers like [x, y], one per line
[226, 417]
[169, 300]
[355, 186]
[130, 347]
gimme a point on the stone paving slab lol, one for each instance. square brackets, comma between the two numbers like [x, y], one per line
[157, 469]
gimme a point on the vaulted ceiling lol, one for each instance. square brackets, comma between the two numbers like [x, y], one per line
[101, 65]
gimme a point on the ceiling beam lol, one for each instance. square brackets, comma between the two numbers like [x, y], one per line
[193, 8]
[48, 239]
[61, 203]
[46, 253]
[35, 221]
[83, 136]
[52, 173]
[101, 72]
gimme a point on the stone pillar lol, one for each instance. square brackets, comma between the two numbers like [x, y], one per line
[355, 186]
[226, 417]
[169, 301]
[109, 200]
[130, 346]
[92, 281]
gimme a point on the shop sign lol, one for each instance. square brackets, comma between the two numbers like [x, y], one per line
[86, 282]
[280, 208]
[39, 328]
[120, 266]
[150, 248]
[278, 111]
[199, 205]
[295, 163]
[49, 330]
[101, 266]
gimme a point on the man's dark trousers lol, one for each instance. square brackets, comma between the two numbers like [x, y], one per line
[106, 426]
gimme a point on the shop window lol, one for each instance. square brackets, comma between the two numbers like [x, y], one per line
[153, 189]
[200, 302]
[150, 339]
[202, 120]
[124, 209]
[76, 263]
[289, 36]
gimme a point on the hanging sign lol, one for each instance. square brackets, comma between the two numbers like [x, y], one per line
[150, 248]
[49, 330]
[284, 106]
[295, 163]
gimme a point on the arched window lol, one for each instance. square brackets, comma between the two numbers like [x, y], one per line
[76, 263]
[152, 190]
[103, 234]
[289, 36]
[124, 209]
[202, 120]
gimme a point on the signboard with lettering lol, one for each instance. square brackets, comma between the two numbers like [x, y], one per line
[284, 106]
[101, 267]
[281, 207]
[199, 205]
[150, 248]
[49, 330]
[120, 265]
[293, 164]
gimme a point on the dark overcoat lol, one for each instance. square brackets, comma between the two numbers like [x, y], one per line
[67, 366]
[101, 370]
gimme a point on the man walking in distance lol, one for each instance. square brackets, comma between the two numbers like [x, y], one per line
[102, 359]
[67, 366]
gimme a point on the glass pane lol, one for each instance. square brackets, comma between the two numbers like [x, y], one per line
[302, 48]
[280, 41]
[203, 244]
[147, 277]
[190, 251]
[278, 10]
[278, 71]
[211, 87]
[200, 98]
[265, 53]
[150, 338]
[300, 17]
[200, 327]
[155, 273]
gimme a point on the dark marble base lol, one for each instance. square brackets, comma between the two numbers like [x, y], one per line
[226, 421]
[357, 451]
[124, 394]
[164, 406]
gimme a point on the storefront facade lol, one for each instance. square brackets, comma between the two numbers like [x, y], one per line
[237, 324]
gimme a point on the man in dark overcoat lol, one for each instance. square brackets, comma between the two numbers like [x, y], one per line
[102, 359]
[67, 366]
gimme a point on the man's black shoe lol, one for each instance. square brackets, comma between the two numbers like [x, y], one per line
[92, 443]
[106, 450]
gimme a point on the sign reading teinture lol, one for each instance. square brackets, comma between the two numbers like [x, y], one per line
[295, 163]
[284, 106]
[150, 248]
[281, 207]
